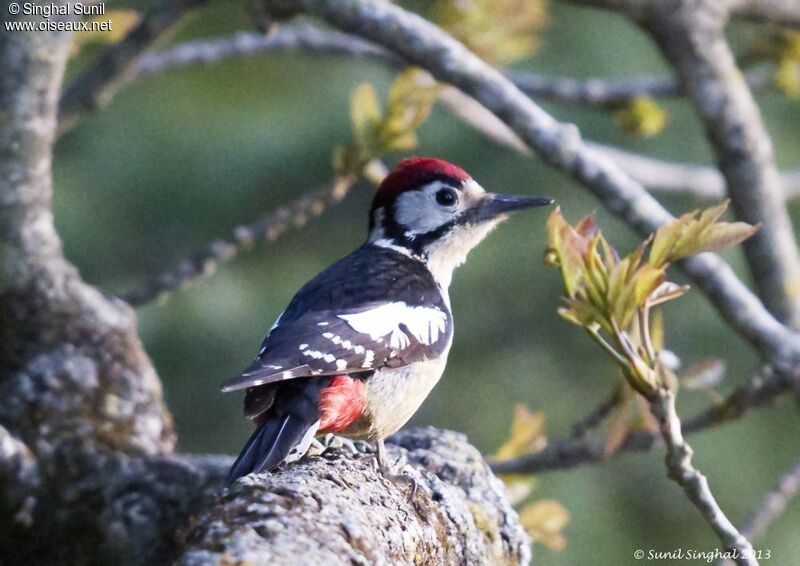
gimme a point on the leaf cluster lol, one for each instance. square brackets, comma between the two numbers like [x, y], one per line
[611, 296]
[499, 31]
[377, 131]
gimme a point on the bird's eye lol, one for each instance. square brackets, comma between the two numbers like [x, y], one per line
[447, 197]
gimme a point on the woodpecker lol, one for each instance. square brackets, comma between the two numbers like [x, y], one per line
[361, 345]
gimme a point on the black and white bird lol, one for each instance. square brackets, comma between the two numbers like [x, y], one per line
[361, 345]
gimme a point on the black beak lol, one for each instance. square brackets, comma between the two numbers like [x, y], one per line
[494, 205]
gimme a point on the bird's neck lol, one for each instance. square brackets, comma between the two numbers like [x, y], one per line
[443, 255]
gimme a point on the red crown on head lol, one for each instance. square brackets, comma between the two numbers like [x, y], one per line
[415, 172]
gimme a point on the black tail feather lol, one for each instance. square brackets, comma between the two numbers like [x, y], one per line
[269, 445]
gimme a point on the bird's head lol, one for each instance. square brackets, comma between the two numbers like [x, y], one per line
[435, 210]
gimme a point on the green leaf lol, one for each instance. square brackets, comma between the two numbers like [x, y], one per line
[719, 237]
[696, 232]
[642, 117]
[544, 520]
[787, 77]
[646, 281]
[411, 100]
[499, 31]
[527, 434]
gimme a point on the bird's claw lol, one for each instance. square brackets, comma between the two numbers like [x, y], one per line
[401, 479]
[333, 441]
[388, 471]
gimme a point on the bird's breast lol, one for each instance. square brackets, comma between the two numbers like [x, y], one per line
[394, 395]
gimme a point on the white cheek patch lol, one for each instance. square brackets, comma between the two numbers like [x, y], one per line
[418, 211]
[398, 321]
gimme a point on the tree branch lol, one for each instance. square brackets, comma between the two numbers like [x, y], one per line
[655, 174]
[422, 43]
[591, 421]
[311, 39]
[614, 92]
[95, 86]
[294, 37]
[268, 227]
[691, 37]
[773, 504]
[781, 12]
[694, 483]
[338, 509]
[758, 392]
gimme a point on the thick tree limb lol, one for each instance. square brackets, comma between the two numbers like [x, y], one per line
[62, 343]
[423, 44]
[19, 478]
[337, 509]
[691, 37]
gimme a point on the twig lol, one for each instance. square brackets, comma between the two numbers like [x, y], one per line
[613, 92]
[691, 36]
[585, 425]
[421, 43]
[570, 453]
[290, 37]
[693, 482]
[268, 227]
[95, 86]
[773, 504]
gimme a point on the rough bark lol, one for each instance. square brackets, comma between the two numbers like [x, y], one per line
[338, 509]
[73, 367]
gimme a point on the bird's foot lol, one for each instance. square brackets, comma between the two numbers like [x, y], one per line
[390, 471]
[333, 441]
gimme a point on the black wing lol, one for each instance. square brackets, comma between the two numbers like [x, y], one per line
[374, 308]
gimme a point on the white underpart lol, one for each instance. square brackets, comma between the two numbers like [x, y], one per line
[301, 447]
[451, 250]
[394, 395]
[425, 324]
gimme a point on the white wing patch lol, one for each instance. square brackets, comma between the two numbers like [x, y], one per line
[425, 324]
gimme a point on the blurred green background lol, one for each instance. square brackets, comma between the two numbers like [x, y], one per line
[179, 159]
